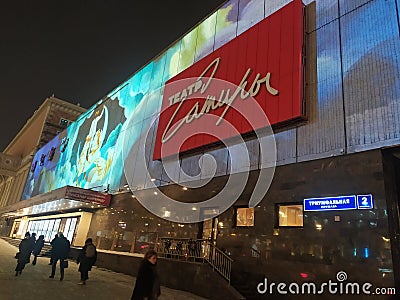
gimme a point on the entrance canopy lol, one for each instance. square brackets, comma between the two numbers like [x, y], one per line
[63, 199]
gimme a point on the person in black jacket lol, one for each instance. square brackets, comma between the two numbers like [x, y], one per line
[87, 258]
[147, 282]
[33, 237]
[37, 248]
[24, 256]
[60, 251]
[52, 243]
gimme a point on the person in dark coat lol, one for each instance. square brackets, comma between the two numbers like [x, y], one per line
[86, 259]
[60, 250]
[37, 248]
[51, 254]
[147, 282]
[24, 256]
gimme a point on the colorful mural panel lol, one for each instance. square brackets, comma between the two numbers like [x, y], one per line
[362, 59]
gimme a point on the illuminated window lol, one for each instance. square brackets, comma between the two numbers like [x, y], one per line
[290, 215]
[244, 216]
[42, 158]
[64, 122]
[64, 143]
[34, 166]
[51, 153]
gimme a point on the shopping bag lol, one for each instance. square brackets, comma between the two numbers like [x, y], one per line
[65, 264]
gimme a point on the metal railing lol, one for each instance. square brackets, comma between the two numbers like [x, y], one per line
[195, 250]
[220, 262]
[182, 249]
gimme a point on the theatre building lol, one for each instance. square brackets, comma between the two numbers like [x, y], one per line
[269, 131]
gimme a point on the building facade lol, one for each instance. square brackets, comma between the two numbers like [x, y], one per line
[313, 194]
[51, 118]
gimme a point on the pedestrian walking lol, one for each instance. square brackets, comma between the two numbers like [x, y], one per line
[24, 254]
[33, 237]
[37, 248]
[60, 251]
[86, 259]
[51, 252]
[147, 286]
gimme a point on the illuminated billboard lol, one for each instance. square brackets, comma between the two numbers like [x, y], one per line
[89, 153]
[264, 62]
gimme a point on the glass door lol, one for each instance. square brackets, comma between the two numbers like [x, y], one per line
[48, 237]
[72, 228]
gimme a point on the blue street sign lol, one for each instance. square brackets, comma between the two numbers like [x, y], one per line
[330, 203]
[365, 202]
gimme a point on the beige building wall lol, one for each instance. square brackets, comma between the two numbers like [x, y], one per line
[26, 140]
[83, 229]
[16, 159]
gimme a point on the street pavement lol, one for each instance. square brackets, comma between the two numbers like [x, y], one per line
[34, 283]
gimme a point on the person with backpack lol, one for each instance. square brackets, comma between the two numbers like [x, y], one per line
[86, 259]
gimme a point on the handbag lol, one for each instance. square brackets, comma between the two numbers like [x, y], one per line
[65, 264]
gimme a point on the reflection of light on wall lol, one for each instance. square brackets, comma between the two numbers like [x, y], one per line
[355, 252]
[318, 226]
[385, 239]
[366, 252]
[167, 214]
[303, 275]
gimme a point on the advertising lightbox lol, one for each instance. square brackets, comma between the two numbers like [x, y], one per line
[264, 62]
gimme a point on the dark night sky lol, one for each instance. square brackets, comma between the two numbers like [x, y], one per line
[80, 50]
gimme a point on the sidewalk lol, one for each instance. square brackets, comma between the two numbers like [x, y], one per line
[34, 283]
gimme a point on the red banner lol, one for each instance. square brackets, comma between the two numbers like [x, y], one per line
[78, 194]
[265, 63]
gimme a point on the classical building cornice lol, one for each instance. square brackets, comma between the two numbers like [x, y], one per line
[45, 107]
[9, 165]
